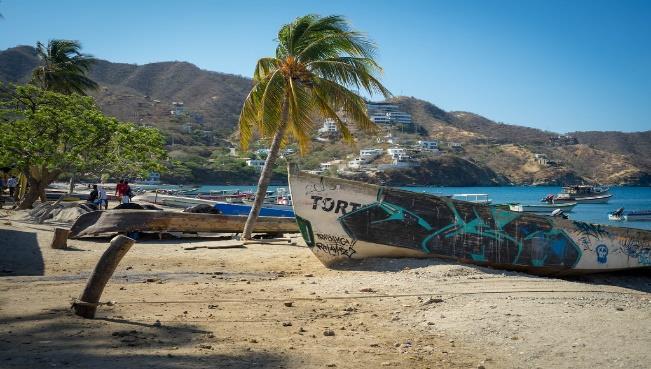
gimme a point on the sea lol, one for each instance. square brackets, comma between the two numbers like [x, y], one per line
[630, 198]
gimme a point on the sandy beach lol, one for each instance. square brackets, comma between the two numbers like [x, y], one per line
[213, 303]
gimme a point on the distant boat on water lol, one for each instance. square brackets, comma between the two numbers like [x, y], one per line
[638, 215]
[583, 194]
[542, 208]
[477, 198]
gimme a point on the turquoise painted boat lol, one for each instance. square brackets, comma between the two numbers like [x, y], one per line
[342, 220]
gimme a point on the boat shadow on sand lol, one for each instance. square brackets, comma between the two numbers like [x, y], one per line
[636, 279]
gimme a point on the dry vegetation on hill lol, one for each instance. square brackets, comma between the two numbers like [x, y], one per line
[212, 102]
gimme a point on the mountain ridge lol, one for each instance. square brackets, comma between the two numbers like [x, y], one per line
[212, 102]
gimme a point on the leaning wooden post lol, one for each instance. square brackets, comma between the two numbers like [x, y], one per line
[60, 238]
[87, 303]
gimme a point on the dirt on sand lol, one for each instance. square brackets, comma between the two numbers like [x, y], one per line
[277, 306]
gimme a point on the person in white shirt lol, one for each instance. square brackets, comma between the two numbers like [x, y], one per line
[12, 183]
[102, 197]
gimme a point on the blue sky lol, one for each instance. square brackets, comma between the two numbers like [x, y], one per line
[555, 65]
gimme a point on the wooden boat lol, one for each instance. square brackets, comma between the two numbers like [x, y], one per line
[542, 208]
[342, 220]
[637, 215]
[171, 200]
[126, 221]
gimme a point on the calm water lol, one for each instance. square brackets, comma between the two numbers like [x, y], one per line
[630, 198]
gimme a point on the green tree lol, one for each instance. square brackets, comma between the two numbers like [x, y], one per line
[317, 61]
[45, 133]
[63, 67]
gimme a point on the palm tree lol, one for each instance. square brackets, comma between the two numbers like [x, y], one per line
[317, 60]
[63, 67]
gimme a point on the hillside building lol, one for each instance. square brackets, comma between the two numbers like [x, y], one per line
[255, 163]
[428, 145]
[329, 126]
[387, 113]
[177, 108]
[395, 152]
[370, 154]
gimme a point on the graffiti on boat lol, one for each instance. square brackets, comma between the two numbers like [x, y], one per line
[463, 230]
[335, 245]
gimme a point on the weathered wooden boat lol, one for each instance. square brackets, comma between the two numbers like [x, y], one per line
[171, 200]
[127, 221]
[342, 220]
[542, 208]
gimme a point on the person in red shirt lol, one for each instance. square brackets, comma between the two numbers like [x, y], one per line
[121, 190]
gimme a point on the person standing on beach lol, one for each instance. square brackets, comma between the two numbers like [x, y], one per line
[121, 191]
[102, 197]
[12, 182]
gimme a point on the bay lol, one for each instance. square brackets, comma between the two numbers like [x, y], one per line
[630, 198]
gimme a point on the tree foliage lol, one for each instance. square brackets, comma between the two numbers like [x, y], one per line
[44, 133]
[318, 61]
[63, 67]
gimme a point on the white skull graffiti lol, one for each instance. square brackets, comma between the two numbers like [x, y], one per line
[602, 254]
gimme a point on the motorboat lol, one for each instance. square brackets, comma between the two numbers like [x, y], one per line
[637, 215]
[477, 198]
[583, 194]
[542, 208]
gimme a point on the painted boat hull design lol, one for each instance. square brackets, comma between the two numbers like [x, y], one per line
[266, 211]
[542, 208]
[97, 222]
[342, 220]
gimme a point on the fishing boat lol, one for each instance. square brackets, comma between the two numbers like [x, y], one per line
[477, 198]
[583, 194]
[127, 221]
[342, 220]
[542, 208]
[637, 215]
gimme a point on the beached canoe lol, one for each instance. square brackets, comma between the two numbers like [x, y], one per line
[342, 220]
[126, 221]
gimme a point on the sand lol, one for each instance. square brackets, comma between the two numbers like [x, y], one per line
[277, 306]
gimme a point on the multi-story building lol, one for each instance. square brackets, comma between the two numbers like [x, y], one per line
[387, 113]
[329, 126]
[255, 163]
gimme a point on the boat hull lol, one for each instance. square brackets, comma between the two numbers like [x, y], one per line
[543, 208]
[342, 220]
[266, 211]
[170, 200]
[126, 221]
[599, 199]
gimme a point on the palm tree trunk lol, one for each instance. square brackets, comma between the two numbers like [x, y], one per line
[265, 176]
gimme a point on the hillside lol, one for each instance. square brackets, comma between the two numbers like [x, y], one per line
[606, 157]
[145, 93]
[493, 152]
